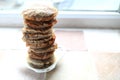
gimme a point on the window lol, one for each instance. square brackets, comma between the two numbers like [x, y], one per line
[89, 5]
[72, 13]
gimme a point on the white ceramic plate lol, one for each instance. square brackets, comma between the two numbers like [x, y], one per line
[59, 53]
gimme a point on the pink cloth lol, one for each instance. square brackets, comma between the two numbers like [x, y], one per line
[71, 40]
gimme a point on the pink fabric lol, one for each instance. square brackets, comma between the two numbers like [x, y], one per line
[71, 40]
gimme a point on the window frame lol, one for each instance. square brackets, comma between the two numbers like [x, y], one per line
[67, 19]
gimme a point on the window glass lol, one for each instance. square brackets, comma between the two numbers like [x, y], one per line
[105, 5]
[10, 4]
[84, 5]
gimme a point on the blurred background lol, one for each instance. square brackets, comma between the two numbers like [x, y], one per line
[74, 5]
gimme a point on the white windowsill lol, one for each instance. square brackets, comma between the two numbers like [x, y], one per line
[69, 19]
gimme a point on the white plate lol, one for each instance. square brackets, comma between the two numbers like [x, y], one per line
[58, 55]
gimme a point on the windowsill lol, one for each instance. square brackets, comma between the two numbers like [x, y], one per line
[69, 19]
[94, 65]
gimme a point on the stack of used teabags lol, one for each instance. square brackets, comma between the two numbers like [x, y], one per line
[39, 36]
